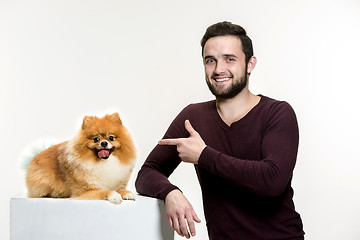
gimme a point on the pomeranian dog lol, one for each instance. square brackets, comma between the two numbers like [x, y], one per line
[95, 164]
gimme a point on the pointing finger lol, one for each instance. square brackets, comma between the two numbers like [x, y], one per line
[169, 141]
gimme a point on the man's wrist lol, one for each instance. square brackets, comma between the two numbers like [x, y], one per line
[169, 190]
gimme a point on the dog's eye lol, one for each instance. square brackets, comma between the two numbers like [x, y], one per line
[96, 139]
[111, 138]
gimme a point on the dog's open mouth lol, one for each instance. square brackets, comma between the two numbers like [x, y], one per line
[104, 153]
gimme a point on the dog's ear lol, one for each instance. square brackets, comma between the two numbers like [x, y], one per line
[115, 117]
[86, 121]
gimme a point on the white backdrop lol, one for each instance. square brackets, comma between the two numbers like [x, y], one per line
[61, 60]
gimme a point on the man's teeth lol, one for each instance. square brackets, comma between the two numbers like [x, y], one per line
[222, 79]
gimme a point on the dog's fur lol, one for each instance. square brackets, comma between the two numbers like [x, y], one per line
[95, 164]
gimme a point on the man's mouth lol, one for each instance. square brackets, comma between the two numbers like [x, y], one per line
[104, 153]
[225, 79]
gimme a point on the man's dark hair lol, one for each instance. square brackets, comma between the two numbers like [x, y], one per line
[229, 29]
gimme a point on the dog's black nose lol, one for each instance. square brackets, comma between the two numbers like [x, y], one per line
[104, 143]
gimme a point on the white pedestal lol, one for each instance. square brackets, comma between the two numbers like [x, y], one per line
[62, 219]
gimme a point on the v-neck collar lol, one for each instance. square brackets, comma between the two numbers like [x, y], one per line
[221, 122]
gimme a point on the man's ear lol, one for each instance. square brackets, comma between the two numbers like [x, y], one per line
[251, 64]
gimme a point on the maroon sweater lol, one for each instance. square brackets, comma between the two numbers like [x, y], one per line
[244, 172]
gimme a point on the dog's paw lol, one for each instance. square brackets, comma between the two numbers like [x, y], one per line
[129, 196]
[115, 197]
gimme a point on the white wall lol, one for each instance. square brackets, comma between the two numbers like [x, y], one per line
[61, 60]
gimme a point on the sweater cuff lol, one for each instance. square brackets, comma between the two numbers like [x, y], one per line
[206, 156]
[166, 191]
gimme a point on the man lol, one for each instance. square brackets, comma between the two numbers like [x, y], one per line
[243, 147]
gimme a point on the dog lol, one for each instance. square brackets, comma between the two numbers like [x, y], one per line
[95, 165]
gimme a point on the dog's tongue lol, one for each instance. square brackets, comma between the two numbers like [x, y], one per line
[103, 153]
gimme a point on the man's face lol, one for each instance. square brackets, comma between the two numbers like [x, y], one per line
[225, 68]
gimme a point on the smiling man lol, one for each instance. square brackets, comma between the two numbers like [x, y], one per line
[243, 148]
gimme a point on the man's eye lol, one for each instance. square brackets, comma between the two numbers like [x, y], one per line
[230, 59]
[210, 61]
[96, 139]
[111, 138]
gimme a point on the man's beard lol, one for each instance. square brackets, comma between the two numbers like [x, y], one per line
[236, 87]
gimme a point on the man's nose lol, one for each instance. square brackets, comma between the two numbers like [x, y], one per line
[220, 67]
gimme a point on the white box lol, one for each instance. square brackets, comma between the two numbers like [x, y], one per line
[61, 219]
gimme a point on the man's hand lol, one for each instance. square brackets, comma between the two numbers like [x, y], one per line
[189, 148]
[179, 211]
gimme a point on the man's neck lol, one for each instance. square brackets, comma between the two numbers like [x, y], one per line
[233, 109]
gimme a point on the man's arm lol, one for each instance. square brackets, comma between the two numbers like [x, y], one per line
[152, 180]
[272, 173]
[268, 176]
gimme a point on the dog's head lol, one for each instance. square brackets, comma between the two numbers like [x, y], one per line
[100, 138]
[103, 135]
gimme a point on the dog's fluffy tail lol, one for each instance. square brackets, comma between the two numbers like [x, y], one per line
[32, 150]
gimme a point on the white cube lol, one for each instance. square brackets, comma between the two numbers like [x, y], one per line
[62, 219]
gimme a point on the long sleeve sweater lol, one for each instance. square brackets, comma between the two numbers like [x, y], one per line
[245, 170]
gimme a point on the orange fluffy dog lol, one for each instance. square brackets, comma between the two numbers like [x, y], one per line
[96, 164]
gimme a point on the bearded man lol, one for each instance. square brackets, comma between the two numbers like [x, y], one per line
[243, 147]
